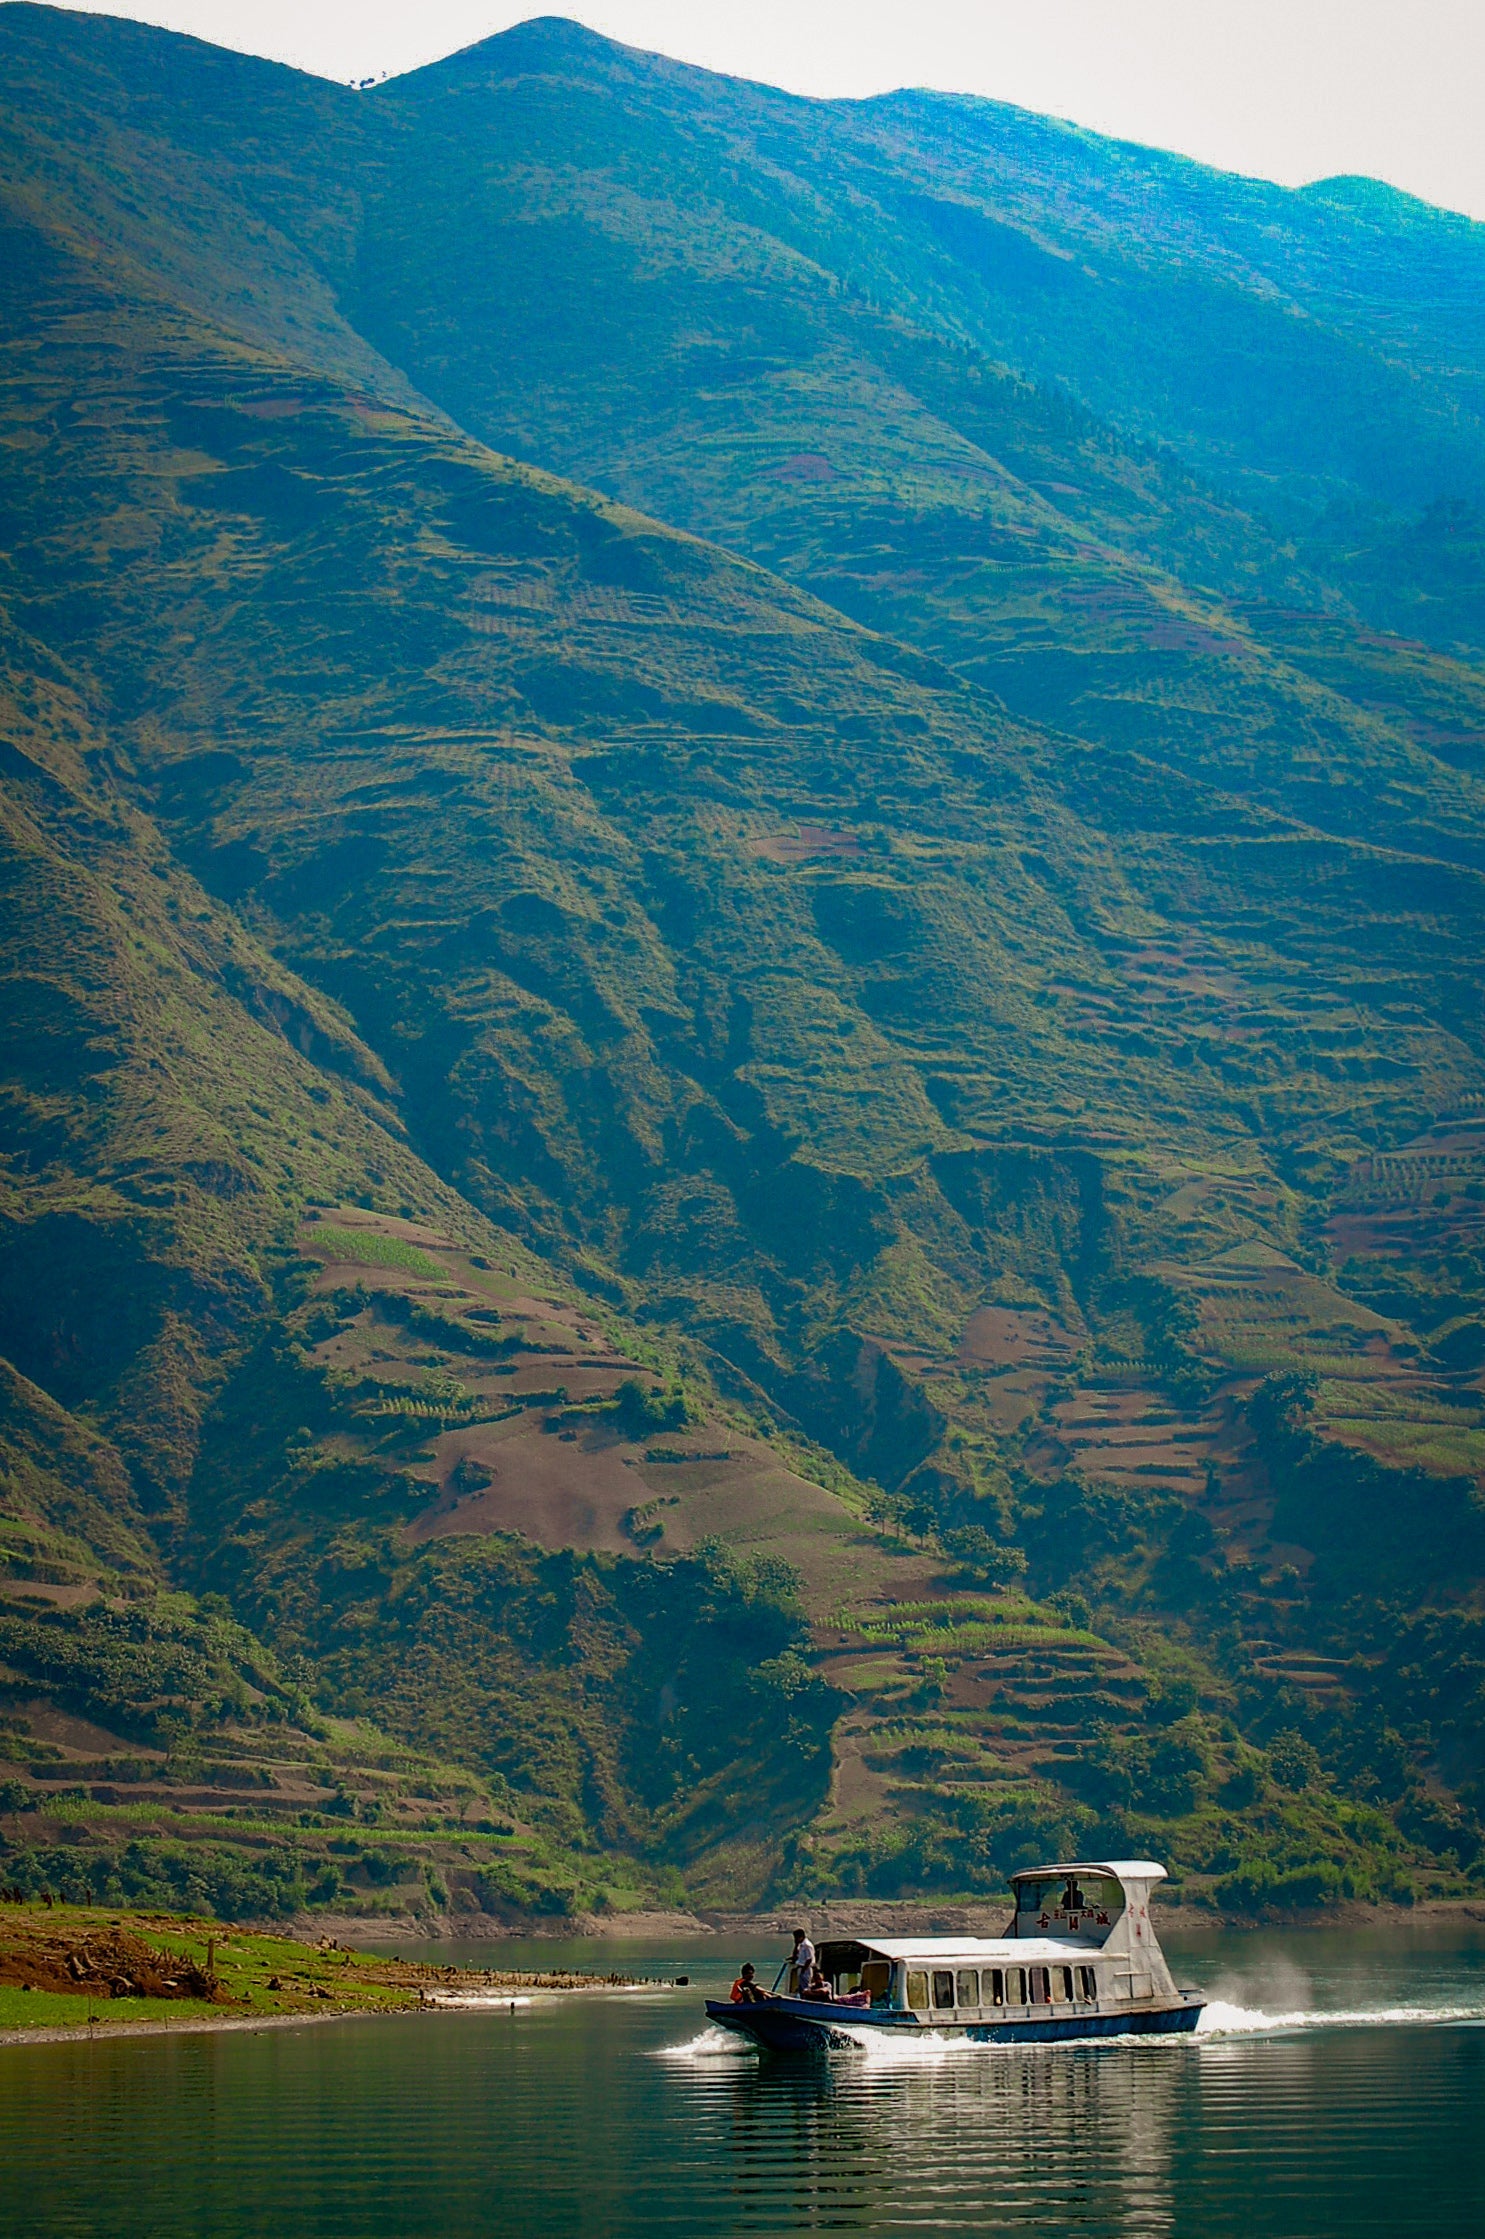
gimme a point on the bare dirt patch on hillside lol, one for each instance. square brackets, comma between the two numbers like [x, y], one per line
[572, 1494]
[807, 845]
[566, 1483]
[1016, 1337]
[1018, 1350]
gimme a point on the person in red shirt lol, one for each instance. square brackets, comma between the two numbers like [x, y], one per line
[745, 1991]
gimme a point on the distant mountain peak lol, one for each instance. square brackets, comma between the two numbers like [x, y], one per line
[1363, 197]
[541, 42]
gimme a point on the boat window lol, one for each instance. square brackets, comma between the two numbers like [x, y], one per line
[1062, 1988]
[1087, 1983]
[876, 1978]
[966, 1987]
[1041, 1988]
[994, 1986]
[943, 1987]
[918, 1991]
[1015, 1986]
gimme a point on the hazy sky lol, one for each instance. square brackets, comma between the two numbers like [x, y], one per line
[1287, 89]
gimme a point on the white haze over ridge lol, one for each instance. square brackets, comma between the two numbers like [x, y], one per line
[1291, 90]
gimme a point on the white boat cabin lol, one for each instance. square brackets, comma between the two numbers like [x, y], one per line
[1079, 1939]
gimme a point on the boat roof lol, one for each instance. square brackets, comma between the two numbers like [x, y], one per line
[1122, 1869]
[972, 1951]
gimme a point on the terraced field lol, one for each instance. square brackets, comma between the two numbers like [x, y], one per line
[1260, 1310]
[962, 1692]
[1422, 1199]
[1128, 1434]
[343, 1817]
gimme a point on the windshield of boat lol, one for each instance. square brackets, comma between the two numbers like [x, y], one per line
[842, 1963]
[1067, 1904]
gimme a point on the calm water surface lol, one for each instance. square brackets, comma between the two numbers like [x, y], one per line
[1341, 2092]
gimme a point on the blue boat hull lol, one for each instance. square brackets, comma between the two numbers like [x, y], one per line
[797, 2025]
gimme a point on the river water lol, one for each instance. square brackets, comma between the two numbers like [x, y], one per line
[1337, 2090]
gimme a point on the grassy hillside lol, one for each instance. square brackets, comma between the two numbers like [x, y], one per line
[782, 1203]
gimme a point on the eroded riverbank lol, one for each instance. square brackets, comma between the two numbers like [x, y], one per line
[68, 1969]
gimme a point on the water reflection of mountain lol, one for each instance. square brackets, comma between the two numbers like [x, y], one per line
[978, 2138]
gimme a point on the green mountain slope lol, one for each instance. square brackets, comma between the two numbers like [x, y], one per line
[979, 980]
[742, 263]
[1043, 243]
[174, 1099]
[712, 354]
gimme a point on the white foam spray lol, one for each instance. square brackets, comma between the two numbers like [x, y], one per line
[711, 2044]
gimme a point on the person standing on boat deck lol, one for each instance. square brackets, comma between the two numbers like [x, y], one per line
[801, 1962]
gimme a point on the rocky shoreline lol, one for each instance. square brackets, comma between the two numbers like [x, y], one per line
[832, 1919]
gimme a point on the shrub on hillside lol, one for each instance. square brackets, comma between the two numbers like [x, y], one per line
[640, 1410]
[1293, 1761]
[981, 1558]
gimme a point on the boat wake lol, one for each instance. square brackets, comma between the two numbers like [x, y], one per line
[1219, 2023]
[1222, 2020]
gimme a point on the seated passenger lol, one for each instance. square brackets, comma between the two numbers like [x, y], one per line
[745, 1991]
[818, 1988]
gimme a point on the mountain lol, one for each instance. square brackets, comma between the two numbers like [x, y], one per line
[710, 278]
[743, 1115]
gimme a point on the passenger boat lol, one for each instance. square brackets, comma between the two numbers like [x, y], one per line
[1078, 1959]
